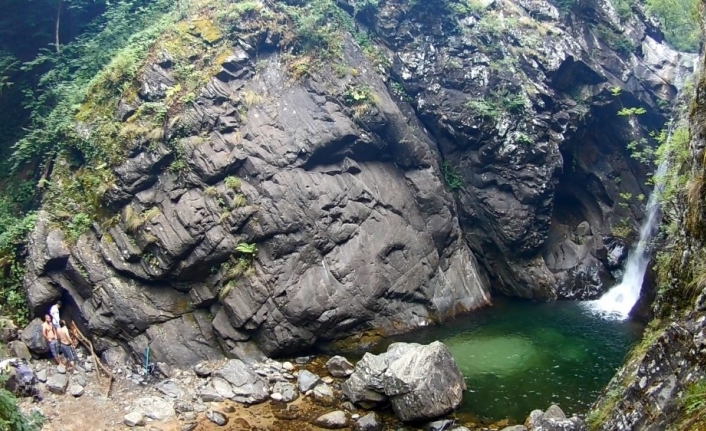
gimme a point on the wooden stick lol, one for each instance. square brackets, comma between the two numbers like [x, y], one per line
[99, 365]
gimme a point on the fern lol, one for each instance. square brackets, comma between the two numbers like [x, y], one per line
[246, 248]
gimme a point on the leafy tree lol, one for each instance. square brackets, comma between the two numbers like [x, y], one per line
[680, 22]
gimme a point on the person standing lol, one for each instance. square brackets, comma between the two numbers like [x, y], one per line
[49, 333]
[54, 312]
[66, 345]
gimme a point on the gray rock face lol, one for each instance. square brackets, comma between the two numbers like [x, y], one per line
[288, 391]
[33, 338]
[333, 420]
[337, 252]
[648, 396]
[57, 383]
[369, 422]
[339, 366]
[246, 386]
[307, 380]
[421, 382]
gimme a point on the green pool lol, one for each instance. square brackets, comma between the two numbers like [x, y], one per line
[521, 355]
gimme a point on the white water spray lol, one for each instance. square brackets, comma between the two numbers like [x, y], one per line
[620, 299]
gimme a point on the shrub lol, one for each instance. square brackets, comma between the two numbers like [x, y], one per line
[11, 418]
[451, 177]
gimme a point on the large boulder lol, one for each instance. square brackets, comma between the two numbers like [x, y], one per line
[33, 338]
[246, 386]
[421, 382]
[8, 330]
[424, 383]
[19, 349]
[365, 385]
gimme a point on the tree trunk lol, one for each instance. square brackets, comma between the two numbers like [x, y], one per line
[58, 20]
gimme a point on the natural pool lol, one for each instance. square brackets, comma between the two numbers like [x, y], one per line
[522, 355]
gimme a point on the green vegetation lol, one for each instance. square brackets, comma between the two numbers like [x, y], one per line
[693, 404]
[498, 103]
[680, 22]
[615, 39]
[11, 418]
[453, 179]
[246, 248]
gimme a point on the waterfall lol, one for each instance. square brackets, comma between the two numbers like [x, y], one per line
[620, 299]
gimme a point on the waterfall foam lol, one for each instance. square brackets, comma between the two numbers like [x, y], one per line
[620, 299]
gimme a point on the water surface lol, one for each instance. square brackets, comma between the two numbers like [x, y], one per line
[518, 356]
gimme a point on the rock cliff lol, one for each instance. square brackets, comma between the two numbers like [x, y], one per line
[262, 197]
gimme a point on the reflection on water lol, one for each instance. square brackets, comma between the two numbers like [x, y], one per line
[521, 355]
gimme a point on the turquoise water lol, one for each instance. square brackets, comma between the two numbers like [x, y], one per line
[518, 356]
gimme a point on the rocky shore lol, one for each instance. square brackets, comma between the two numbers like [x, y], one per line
[421, 384]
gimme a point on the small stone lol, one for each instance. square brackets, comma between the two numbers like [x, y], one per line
[42, 375]
[183, 406]
[332, 420]
[349, 406]
[440, 425]
[287, 390]
[510, 428]
[57, 384]
[369, 422]
[323, 394]
[276, 397]
[307, 380]
[203, 370]
[80, 380]
[76, 390]
[155, 408]
[339, 366]
[217, 417]
[189, 427]
[288, 366]
[61, 369]
[190, 416]
[134, 419]
[303, 360]
[328, 380]
[229, 409]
